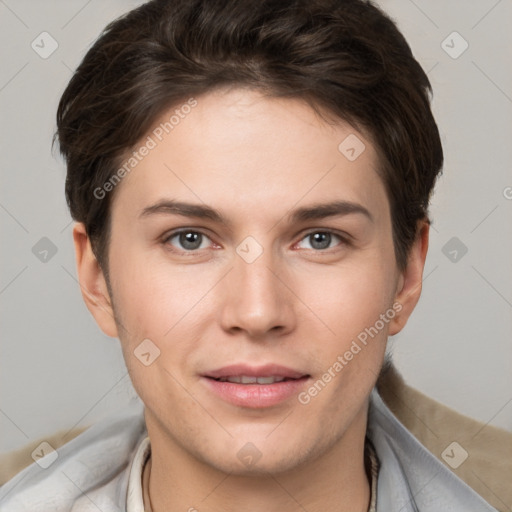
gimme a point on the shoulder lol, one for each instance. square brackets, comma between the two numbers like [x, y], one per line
[88, 472]
[448, 460]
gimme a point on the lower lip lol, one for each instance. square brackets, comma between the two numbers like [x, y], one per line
[256, 395]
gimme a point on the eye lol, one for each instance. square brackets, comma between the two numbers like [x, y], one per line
[321, 240]
[188, 240]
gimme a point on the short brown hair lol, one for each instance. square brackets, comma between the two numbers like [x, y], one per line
[344, 56]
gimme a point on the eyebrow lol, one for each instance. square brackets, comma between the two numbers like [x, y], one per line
[314, 212]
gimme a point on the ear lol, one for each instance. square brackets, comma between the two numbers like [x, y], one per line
[410, 280]
[92, 282]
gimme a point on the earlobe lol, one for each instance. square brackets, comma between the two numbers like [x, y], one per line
[92, 282]
[410, 280]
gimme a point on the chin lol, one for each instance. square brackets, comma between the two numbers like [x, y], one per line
[260, 468]
[245, 458]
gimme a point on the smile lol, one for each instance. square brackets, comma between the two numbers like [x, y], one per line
[249, 379]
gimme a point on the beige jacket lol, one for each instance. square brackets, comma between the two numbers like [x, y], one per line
[487, 469]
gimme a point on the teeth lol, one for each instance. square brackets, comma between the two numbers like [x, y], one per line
[246, 379]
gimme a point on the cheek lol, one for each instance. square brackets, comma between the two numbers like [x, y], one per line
[348, 298]
[158, 314]
[149, 296]
[166, 305]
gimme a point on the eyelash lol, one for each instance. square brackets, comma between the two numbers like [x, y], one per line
[344, 240]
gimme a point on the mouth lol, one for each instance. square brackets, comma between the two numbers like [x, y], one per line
[255, 387]
[251, 374]
[249, 379]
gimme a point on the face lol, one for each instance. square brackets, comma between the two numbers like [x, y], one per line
[254, 281]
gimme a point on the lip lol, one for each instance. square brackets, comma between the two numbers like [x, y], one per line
[267, 370]
[255, 396]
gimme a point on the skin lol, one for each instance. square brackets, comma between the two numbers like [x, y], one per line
[254, 159]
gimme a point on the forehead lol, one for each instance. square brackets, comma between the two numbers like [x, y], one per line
[237, 148]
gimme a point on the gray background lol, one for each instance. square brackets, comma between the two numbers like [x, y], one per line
[58, 370]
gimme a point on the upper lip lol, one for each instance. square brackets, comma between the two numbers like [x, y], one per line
[268, 370]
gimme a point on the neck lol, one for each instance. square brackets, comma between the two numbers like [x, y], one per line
[335, 480]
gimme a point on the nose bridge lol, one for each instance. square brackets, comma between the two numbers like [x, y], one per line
[257, 301]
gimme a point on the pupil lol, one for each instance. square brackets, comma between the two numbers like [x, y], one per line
[190, 240]
[321, 240]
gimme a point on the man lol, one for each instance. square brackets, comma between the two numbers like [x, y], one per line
[250, 181]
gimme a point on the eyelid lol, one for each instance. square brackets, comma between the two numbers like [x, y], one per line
[171, 234]
[333, 231]
[345, 238]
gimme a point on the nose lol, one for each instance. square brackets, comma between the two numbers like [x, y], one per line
[257, 299]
